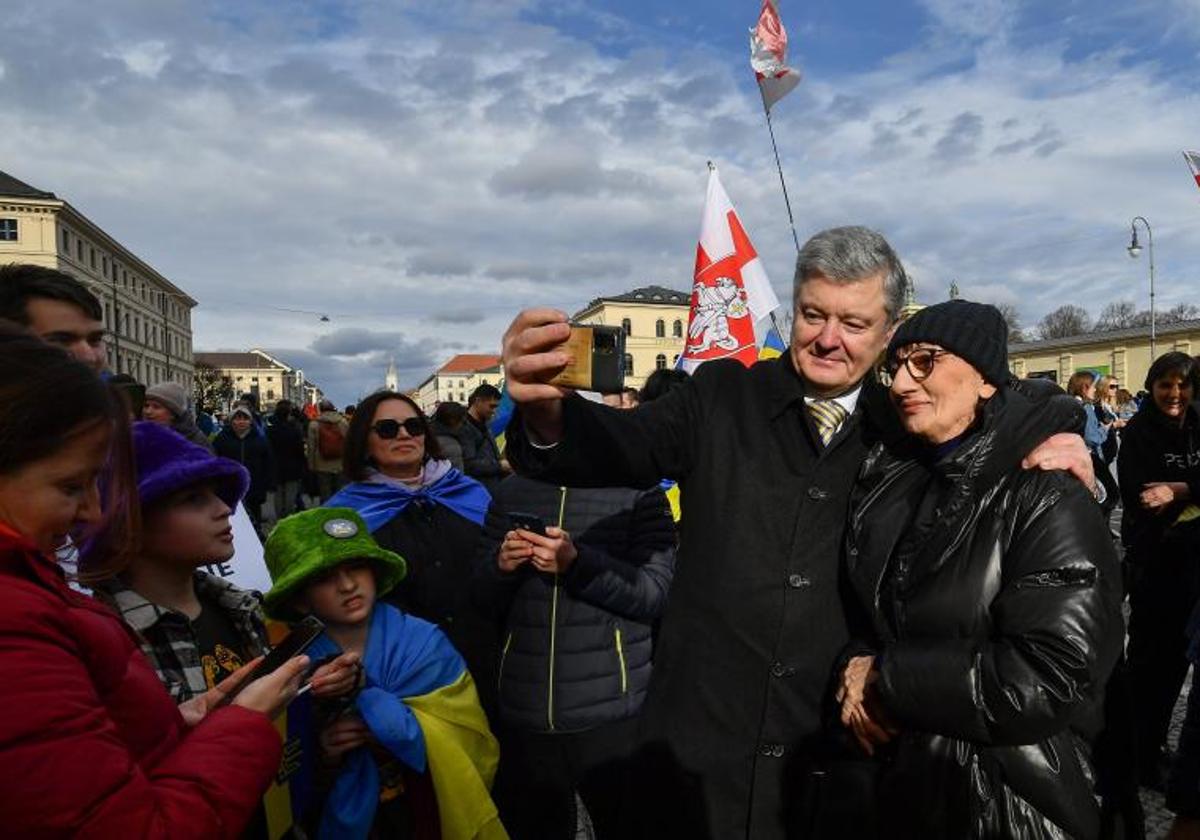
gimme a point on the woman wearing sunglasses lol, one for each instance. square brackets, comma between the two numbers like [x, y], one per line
[991, 594]
[422, 508]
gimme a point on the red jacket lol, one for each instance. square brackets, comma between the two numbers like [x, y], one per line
[91, 745]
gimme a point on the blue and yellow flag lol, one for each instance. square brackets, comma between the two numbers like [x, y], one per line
[504, 413]
[773, 345]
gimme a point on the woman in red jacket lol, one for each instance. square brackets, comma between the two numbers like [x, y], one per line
[91, 744]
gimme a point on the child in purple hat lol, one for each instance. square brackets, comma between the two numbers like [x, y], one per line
[195, 628]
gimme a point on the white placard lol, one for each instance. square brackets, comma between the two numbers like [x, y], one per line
[247, 569]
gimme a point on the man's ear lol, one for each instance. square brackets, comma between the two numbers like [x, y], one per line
[986, 390]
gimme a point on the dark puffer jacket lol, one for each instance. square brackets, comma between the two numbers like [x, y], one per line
[994, 598]
[577, 647]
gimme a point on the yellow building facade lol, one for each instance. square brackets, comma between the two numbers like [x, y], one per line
[1123, 353]
[655, 322]
[148, 318]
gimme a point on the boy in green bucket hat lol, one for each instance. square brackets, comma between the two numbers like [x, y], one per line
[415, 727]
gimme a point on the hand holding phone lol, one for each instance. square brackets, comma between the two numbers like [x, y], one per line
[597, 359]
[303, 634]
[530, 522]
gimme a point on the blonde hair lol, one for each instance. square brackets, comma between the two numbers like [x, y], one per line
[1103, 393]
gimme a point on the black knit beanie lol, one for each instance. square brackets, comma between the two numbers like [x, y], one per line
[976, 332]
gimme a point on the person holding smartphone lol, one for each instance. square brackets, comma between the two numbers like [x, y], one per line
[89, 739]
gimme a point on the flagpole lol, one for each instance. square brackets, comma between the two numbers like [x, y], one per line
[779, 166]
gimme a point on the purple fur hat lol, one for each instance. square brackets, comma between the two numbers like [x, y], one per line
[166, 462]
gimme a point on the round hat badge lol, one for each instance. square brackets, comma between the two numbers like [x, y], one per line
[340, 529]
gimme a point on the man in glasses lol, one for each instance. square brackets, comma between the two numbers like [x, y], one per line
[733, 741]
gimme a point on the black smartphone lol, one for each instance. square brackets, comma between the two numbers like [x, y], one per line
[303, 634]
[527, 522]
[597, 359]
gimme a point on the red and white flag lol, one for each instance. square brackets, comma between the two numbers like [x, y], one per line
[1193, 162]
[730, 289]
[768, 56]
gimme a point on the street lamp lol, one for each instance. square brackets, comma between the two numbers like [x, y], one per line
[1134, 250]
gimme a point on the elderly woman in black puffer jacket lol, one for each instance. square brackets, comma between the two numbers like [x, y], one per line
[991, 595]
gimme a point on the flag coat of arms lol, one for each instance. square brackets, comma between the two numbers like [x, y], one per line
[1193, 162]
[768, 56]
[730, 289]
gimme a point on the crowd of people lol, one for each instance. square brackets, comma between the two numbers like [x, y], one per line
[866, 589]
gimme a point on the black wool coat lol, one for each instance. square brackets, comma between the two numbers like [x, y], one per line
[438, 547]
[741, 688]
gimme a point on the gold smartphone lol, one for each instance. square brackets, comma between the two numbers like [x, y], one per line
[597, 359]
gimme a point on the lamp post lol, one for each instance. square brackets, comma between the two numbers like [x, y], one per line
[1135, 250]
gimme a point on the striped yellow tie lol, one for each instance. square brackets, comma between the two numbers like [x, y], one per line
[828, 416]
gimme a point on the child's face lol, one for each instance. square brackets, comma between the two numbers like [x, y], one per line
[343, 595]
[189, 527]
[240, 423]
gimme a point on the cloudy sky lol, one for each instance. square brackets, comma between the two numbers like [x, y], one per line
[420, 171]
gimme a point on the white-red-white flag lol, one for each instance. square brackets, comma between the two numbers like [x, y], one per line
[1193, 162]
[768, 56]
[730, 289]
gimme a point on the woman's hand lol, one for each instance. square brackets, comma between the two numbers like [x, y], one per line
[1064, 451]
[195, 710]
[861, 712]
[1157, 495]
[343, 735]
[272, 693]
[513, 552]
[337, 678]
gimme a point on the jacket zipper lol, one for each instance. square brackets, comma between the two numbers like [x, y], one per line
[503, 656]
[621, 659]
[562, 507]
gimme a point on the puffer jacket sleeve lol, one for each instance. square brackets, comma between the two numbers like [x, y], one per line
[635, 586]
[67, 770]
[1057, 631]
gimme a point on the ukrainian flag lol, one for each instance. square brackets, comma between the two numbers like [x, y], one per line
[773, 345]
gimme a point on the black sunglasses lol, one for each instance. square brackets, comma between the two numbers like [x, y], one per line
[388, 429]
[919, 363]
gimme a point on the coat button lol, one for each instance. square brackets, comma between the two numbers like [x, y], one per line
[798, 581]
[772, 750]
[779, 670]
[816, 494]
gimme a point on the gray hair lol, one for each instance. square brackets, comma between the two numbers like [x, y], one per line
[851, 254]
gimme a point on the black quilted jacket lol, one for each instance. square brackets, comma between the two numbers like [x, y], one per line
[576, 648]
[993, 594]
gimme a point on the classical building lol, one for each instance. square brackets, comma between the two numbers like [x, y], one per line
[455, 380]
[259, 373]
[1123, 353]
[654, 320]
[391, 379]
[148, 318]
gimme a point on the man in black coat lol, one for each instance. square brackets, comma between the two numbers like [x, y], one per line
[741, 695]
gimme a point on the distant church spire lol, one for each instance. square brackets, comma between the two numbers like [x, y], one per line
[391, 380]
[953, 290]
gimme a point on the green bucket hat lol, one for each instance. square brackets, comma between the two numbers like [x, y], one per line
[314, 541]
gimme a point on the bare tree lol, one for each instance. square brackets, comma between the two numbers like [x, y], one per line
[1117, 316]
[1065, 321]
[1181, 312]
[1013, 319]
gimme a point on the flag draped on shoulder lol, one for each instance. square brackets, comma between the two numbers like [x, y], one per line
[1193, 162]
[768, 56]
[730, 289]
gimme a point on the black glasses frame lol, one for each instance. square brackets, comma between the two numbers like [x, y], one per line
[390, 429]
[920, 363]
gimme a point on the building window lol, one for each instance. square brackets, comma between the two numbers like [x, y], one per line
[107, 316]
[8, 230]
[104, 266]
[92, 256]
[628, 364]
[660, 362]
[79, 249]
[660, 329]
[675, 362]
[626, 326]
[66, 242]
[677, 329]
